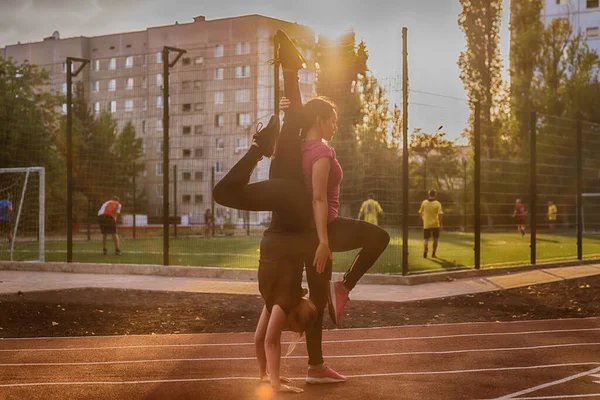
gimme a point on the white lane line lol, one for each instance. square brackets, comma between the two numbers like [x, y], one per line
[403, 327]
[325, 341]
[299, 378]
[545, 385]
[370, 355]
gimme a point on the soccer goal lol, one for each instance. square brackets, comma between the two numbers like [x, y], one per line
[22, 214]
[590, 212]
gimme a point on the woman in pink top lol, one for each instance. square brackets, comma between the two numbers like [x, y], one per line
[322, 177]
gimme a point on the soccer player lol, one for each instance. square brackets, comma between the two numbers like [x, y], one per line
[6, 210]
[520, 213]
[431, 214]
[370, 210]
[107, 216]
[552, 211]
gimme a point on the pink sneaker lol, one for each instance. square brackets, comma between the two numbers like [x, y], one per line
[325, 375]
[337, 301]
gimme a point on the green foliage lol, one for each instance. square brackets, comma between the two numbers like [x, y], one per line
[480, 63]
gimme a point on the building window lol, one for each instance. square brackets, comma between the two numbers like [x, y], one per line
[592, 32]
[144, 83]
[219, 120]
[129, 84]
[243, 119]
[186, 176]
[64, 88]
[129, 105]
[198, 106]
[187, 153]
[145, 104]
[592, 4]
[159, 102]
[198, 199]
[143, 126]
[308, 54]
[97, 107]
[64, 108]
[159, 57]
[186, 198]
[219, 143]
[159, 125]
[219, 97]
[219, 50]
[242, 71]
[129, 62]
[159, 80]
[112, 85]
[185, 85]
[219, 167]
[241, 144]
[186, 61]
[186, 107]
[242, 96]
[112, 64]
[159, 147]
[159, 188]
[198, 152]
[96, 86]
[198, 176]
[242, 48]
[198, 60]
[113, 106]
[96, 65]
[186, 130]
[198, 129]
[219, 73]
[197, 84]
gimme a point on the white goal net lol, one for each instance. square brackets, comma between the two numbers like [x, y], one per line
[590, 212]
[22, 214]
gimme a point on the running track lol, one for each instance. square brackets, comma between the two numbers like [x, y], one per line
[555, 359]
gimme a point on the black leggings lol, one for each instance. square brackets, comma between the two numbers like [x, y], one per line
[285, 194]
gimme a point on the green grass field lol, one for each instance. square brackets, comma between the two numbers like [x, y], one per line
[455, 251]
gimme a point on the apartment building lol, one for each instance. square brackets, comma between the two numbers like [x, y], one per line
[220, 89]
[584, 15]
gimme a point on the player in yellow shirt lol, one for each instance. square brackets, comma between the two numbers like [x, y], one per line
[370, 210]
[552, 211]
[431, 214]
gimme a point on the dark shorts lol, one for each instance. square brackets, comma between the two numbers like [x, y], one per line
[4, 227]
[107, 224]
[280, 270]
[427, 233]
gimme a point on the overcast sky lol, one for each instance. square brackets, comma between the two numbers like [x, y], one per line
[435, 41]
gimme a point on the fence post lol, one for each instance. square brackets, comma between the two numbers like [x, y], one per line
[405, 209]
[165, 169]
[533, 184]
[70, 75]
[175, 199]
[134, 200]
[579, 203]
[477, 185]
[212, 200]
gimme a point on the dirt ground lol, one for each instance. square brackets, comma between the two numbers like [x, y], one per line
[82, 312]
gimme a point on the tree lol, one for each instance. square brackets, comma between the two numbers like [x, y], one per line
[29, 118]
[526, 33]
[128, 153]
[480, 63]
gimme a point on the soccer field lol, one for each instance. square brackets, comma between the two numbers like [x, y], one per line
[455, 251]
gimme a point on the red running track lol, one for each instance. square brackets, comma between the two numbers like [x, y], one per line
[554, 359]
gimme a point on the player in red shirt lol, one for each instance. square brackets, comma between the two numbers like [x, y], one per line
[520, 213]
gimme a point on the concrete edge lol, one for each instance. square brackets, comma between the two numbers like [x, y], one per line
[251, 274]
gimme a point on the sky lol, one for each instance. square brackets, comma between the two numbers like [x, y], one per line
[437, 95]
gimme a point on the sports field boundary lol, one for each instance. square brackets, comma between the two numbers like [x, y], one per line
[251, 274]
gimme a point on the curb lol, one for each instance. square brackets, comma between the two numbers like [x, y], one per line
[251, 274]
